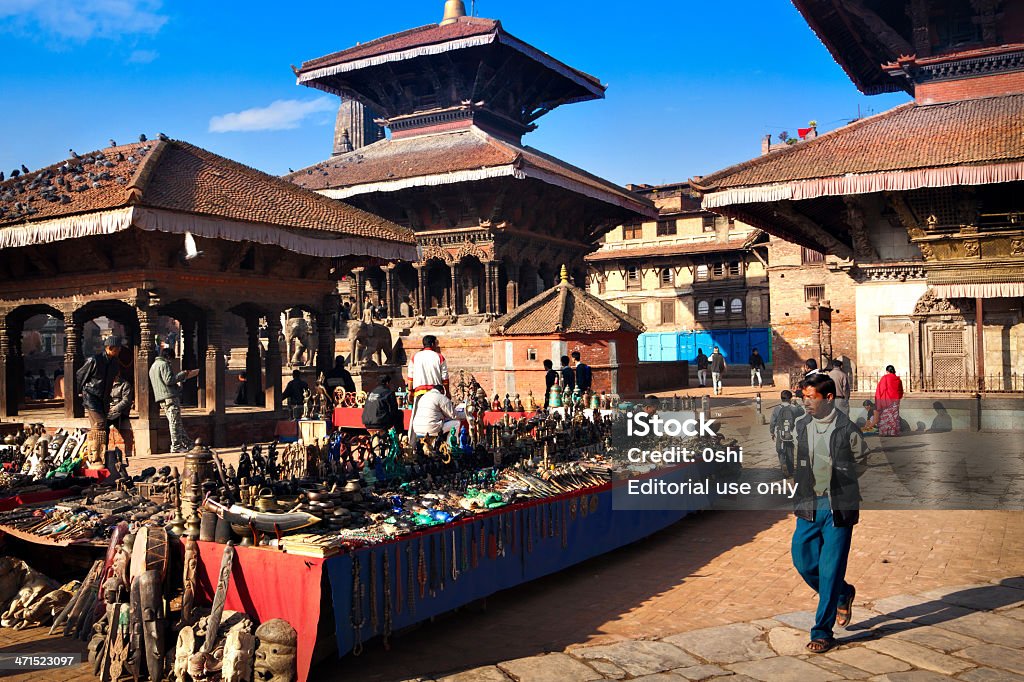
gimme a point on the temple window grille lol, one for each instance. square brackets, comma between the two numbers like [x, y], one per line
[813, 294]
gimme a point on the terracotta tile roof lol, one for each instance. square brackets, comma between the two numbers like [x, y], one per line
[434, 34]
[909, 137]
[462, 155]
[414, 37]
[564, 309]
[653, 251]
[177, 176]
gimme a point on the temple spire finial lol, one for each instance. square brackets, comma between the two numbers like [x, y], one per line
[564, 274]
[453, 9]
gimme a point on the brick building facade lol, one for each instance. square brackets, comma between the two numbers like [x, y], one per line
[688, 270]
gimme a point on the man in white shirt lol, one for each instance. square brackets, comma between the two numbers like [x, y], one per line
[429, 368]
[435, 414]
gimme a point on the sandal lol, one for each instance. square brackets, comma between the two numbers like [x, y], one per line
[844, 611]
[820, 646]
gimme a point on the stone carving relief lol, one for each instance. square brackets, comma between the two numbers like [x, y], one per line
[972, 248]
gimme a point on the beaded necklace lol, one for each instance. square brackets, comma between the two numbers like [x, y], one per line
[410, 592]
[443, 562]
[455, 559]
[373, 593]
[421, 570]
[357, 606]
[387, 600]
[398, 579]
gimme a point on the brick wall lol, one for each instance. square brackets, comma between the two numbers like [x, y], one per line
[792, 323]
[619, 376]
[970, 88]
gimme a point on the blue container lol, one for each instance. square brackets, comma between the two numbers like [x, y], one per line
[735, 344]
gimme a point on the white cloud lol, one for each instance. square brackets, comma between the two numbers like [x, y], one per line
[80, 20]
[142, 56]
[284, 114]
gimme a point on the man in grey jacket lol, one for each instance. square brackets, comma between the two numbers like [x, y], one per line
[167, 391]
[842, 382]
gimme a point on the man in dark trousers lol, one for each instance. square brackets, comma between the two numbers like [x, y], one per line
[783, 426]
[568, 376]
[718, 367]
[550, 379]
[122, 395]
[94, 380]
[827, 506]
[584, 377]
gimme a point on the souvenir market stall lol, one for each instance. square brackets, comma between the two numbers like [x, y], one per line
[239, 559]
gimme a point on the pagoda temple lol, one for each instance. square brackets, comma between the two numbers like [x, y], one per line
[494, 219]
[923, 204]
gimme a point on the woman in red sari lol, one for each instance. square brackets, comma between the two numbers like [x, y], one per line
[887, 403]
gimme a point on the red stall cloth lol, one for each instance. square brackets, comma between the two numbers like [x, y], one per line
[352, 417]
[492, 417]
[15, 501]
[265, 584]
[99, 474]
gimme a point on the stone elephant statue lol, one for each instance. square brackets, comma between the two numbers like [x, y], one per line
[369, 342]
[299, 338]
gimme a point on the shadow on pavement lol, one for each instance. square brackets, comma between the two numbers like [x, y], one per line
[557, 611]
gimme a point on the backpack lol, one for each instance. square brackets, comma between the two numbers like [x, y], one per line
[785, 427]
[378, 413]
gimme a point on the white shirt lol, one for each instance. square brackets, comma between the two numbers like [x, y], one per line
[429, 368]
[432, 410]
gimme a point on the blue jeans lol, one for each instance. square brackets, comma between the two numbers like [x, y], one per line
[820, 551]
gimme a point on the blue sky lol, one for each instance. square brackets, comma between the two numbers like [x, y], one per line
[693, 86]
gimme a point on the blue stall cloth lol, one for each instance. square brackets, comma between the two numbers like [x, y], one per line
[449, 566]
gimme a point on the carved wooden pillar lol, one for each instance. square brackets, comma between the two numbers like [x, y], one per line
[512, 288]
[325, 334]
[191, 395]
[215, 373]
[454, 268]
[490, 287]
[145, 354]
[421, 287]
[8, 401]
[389, 290]
[272, 387]
[253, 384]
[979, 345]
[72, 363]
[360, 276]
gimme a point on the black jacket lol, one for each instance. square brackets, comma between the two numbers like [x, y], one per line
[844, 490]
[568, 378]
[121, 395]
[94, 380]
[381, 410]
[584, 377]
[756, 361]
